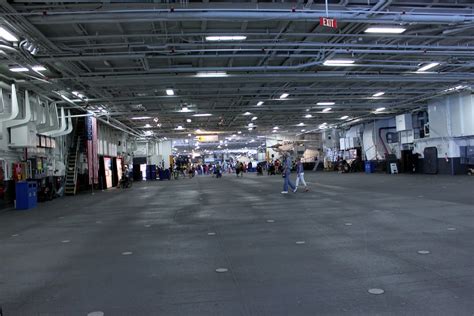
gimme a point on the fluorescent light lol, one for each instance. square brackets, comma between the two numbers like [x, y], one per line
[18, 69]
[247, 113]
[188, 120]
[239, 132]
[198, 131]
[211, 74]
[250, 128]
[344, 117]
[179, 128]
[284, 96]
[189, 135]
[148, 133]
[327, 110]
[185, 109]
[141, 117]
[38, 68]
[7, 35]
[300, 124]
[303, 130]
[147, 125]
[428, 66]
[379, 109]
[339, 62]
[202, 114]
[250, 124]
[276, 127]
[308, 116]
[325, 103]
[260, 103]
[385, 29]
[378, 94]
[226, 38]
[169, 92]
[254, 118]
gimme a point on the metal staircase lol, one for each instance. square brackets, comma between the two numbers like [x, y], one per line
[71, 169]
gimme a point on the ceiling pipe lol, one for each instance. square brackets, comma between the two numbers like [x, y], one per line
[51, 119]
[117, 16]
[15, 110]
[27, 117]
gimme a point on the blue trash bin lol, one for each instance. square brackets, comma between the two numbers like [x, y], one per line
[369, 167]
[26, 196]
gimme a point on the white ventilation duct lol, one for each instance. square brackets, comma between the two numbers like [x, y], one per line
[61, 126]
[14, 108]
[69, 124]
[27, 114]
[50, 116]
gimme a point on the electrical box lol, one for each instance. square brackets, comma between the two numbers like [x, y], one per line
[407, 137]
[23, 135]
[404, 122]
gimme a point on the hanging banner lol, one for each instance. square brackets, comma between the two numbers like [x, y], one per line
[92, 158]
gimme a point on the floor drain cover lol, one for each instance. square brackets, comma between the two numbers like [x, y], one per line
[221, 270]
[451, 228]
[127, 253]
[376, 291]
[270, 221]
[96, 314]
[211, 234]
[300, 242]
[65, 241]
[348, 224]
[423, 252]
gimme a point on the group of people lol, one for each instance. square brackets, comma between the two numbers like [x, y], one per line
[286, 173]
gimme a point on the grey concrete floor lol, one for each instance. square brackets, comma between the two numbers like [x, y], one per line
[359, 231]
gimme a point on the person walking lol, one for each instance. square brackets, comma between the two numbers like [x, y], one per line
[300, 175]
[286, 174]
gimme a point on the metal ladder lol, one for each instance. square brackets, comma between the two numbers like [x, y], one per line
[71, 169]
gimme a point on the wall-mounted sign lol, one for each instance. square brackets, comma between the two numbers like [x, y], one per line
[329, 22]
[207, 138]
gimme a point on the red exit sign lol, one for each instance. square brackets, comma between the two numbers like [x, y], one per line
[329, 22]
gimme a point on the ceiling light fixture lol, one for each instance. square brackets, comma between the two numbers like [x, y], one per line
[325, 103]
[385, 29]
[226, 38]
[211, 74]
[276, 127]
[141, 117]
[188, 120]
[339, 62]
[427, 67]
[308, 116]
[260, 103]
[38, 68]
[18, 69]
[239, 132]
[379, 109]
[7, 35]
[147, 125]
[300, 124]
[198, 131]
[202, 114]
[344, 117]
[284, 96]
[169, 92]
[247, 113]
[326, 110]
[254, 118]
[179, 128]
[378, 94]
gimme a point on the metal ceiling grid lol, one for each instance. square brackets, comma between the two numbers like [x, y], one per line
[124, 56]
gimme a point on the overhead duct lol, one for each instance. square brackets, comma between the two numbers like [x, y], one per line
[62, 124]
[50, 117]
[14, 105]
[27, 114]
[69, 125]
